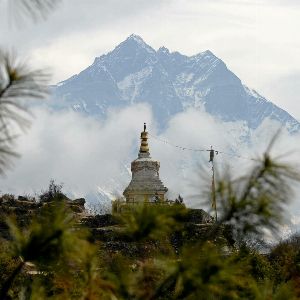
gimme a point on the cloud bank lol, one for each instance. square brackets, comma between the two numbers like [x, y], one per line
[80, 152]
[92, 157]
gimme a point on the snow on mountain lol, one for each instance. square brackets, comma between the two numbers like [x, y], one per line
[170, 82]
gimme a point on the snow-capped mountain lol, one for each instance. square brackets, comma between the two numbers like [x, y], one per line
[170, 82]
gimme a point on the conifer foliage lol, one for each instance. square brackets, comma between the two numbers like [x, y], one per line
[156, 253]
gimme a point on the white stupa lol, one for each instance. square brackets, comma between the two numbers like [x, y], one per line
[145, 185]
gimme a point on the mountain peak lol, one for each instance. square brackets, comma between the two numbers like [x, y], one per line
[170, 82]
[136, 38]
[163, 49]
[136, 42]
[208, 52]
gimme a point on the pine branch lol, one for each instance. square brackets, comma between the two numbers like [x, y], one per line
[34, 10]
[10, 280]
[255, 202]
[18, 84]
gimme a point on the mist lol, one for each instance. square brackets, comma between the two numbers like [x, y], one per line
[91, 157]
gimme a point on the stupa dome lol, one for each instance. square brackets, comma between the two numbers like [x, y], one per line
[145, 185]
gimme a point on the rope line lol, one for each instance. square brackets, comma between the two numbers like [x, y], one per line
[239, 156]
[200, 150]
[177, 146]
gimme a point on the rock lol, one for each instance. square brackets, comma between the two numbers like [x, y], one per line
[99, 221]
[79, 201]
[24, 198]
[198, 216]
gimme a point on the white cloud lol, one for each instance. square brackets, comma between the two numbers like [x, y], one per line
[90, 155]
[81, 152]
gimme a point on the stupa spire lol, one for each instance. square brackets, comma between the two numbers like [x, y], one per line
[145, 184]
[144, 148]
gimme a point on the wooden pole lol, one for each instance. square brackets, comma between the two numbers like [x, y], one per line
[213, 188]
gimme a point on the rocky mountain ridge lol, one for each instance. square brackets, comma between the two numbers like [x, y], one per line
[170, 82]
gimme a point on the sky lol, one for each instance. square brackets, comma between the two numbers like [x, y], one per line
[257, 39]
